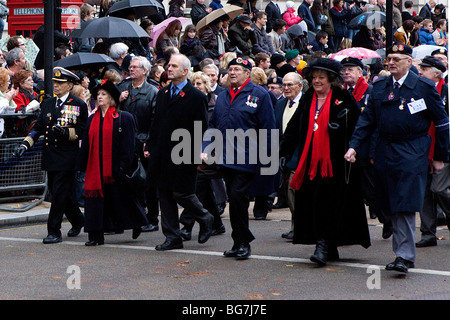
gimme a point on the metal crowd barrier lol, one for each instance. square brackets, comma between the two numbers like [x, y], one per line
[23, 184]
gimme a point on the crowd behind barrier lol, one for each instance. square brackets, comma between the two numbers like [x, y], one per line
[275, 56]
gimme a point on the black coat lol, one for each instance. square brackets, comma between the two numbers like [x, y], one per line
[330, 208]
[119, 207]
[171, 114]
[59, 153]
[273, 13]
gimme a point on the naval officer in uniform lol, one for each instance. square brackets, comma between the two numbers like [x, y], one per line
[62, 121]
[402, 107]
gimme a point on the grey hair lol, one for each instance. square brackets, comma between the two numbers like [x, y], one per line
[211, 66]
[297, 78]
[185, 62]
[440, 74]
[117, 49]
[12, 56]
[143, 63]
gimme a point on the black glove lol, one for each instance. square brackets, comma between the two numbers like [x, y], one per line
[59, 131]
[20, 151]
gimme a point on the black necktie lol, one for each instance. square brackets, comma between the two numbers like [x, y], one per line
[58, 103]
[291, 103]
[350, 90]
[396, 85]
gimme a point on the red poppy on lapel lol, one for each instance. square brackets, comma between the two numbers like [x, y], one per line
[70, 100]
[181, 94]
[337, 102]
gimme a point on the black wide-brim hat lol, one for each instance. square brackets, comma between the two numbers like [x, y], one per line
[326, 64]
[110, 87]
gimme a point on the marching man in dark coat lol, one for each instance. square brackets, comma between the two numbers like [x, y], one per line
[179, 107]
[402, 107]
[62, 121]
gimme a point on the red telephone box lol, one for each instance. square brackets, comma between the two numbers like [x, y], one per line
[26, 16]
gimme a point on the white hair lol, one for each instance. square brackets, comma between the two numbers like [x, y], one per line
[117, 49]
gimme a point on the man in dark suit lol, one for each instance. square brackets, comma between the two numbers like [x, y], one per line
[212, 72]
[61, 121]
[273, 13]
[284, 110]
[180, 108]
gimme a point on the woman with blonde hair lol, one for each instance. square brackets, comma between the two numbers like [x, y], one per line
[225, 59]
[7, 104]
[258, 76]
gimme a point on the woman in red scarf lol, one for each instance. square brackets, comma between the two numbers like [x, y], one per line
[107, 153]
[329, 209]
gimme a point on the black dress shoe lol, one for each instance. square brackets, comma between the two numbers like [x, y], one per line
[243, 251]
[288, 235]
[185, 234]
[206, 229]
[150, 228]
[260, 218]
[92, 243]
[387, 231]
[74, 232]
[51, 238]
[426, 243]
[136, 233]
[400, 265]
[280, 205]
[218, 230]
[231, 253]
[169, 245]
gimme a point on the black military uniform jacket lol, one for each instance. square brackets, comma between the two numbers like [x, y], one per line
[60, 151]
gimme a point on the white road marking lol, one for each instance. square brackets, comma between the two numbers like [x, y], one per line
[215, 253]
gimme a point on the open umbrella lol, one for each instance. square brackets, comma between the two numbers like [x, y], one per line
[231, 10]
[79, 59]
[31, 50]
[424, 50]
[357, 52]
[140, 8]
[108, 28]
[160, 27]
[371, 19]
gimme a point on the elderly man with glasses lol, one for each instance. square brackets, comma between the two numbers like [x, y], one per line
[402, 107]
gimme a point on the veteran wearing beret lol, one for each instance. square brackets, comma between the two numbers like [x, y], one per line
[402, 107]
[61, 122]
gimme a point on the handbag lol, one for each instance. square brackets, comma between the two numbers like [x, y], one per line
[136, 181]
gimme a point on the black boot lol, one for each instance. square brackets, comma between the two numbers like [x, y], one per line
[320, 255]
[95, 238]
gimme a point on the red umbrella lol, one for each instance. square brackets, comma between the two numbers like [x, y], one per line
[357, 52]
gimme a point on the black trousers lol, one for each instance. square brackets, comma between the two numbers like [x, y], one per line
[205, 194]
[169, 201]
[60, 184]
[238, 184]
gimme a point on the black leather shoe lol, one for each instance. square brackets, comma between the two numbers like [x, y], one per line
[51, 238]
[136, 233]
[219, 230]
[150, 228]
[400, 265]
[185, 234]
[92, 243]
[260, 218]
[169, 245]
[387, 231]
[320, 255]
[243, 251]
[426, 243]
[280, 205]
[288, 235]
[206, 229]
[74, 232]
[231, 253]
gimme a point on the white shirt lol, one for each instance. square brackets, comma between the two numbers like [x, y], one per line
[401, 80]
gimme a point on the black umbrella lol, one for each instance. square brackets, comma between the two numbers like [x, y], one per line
[371, 19]
[108, 28]
[83, 59]
[140, 8]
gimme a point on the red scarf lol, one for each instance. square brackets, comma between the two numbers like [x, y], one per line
[339, 9]
[432, 129]
[93, 181]
[235, 94]
[320, 155]
[360, 88]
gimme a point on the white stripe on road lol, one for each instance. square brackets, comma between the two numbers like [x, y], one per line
[259, 257]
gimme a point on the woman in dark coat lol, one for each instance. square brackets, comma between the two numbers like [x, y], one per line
[107, 155]
[329, 207]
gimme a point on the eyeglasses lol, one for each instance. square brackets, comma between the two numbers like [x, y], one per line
[288, 85]
[235, 69]
[22, 44]
[134, 67]
[395, 59]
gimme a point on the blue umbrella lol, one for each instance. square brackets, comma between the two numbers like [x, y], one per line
[371, 19]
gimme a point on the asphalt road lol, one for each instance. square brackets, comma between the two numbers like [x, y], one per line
[126, 269]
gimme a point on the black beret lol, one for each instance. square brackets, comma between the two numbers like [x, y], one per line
[401, 48]
[439, 51]
[326, 64]
[276, 58]
[275, 80]
[241, 62]
[350, 61]
[244, 18]
[429, 61]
